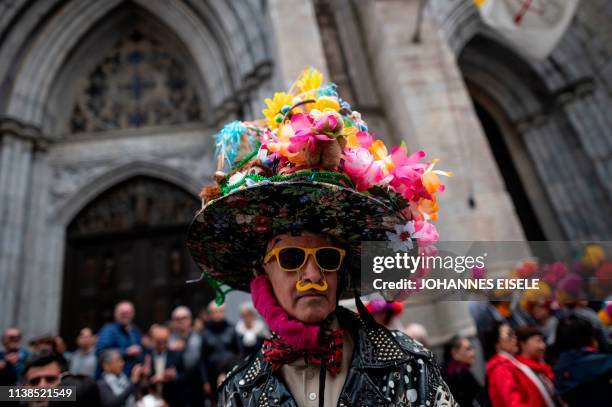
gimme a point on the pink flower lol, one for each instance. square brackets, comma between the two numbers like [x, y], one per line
[527, 269]
[407, 174]
[554, 272]
[571, 284]
[479, 272]
[328, 123]
[360, 166]
[305, 134]
[365, 139]
[425, 232]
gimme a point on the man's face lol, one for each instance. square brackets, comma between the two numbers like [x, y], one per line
[540, 312]
[216, 313]
[115, 365]
[124, 313]
[248, 318]
[181, 321]
[11, 339]
[44, 376]
[465, 352]
[310, 306]
[160, 336]
[86, 339]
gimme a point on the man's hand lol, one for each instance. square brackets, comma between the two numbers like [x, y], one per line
[133, 351]
[146, 369]
[12, 358]
[207, 389]
[169, 374]
[136, 373]
[2, 364]
[177, 345]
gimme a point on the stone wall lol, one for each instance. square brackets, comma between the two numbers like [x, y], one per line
[240, 52]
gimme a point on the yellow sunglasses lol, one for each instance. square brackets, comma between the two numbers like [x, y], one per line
[292, 258]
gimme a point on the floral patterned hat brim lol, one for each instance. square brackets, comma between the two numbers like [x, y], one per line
[228, 237]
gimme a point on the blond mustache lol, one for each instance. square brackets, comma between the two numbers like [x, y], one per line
[305, 287]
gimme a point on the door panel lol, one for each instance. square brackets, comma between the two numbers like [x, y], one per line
[114, 254]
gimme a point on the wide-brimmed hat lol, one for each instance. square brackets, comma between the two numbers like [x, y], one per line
[311, 165]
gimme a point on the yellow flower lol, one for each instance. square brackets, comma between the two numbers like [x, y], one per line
[351, 136]
[274, 107]
[593, 256]
[326, 102]
[310, 80]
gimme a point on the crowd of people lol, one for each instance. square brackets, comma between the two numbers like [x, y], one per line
[183, 361]
[541, 353]
[178, 363]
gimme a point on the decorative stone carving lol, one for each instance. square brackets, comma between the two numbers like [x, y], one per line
[138, 202]
[139, 84]
[68, 179]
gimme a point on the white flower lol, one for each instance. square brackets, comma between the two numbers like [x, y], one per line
[262, 154]
[236, 178]
[401, 239]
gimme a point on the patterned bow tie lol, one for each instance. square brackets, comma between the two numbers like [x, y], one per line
[277, 352]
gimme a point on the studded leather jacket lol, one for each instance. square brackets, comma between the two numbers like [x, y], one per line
[388, 368]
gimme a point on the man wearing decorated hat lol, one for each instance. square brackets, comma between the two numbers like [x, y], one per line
[296, 195]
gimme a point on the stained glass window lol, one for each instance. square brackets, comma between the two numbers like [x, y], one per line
[139, 84]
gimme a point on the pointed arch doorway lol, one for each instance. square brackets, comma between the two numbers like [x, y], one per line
[129, 244]
[507, 96]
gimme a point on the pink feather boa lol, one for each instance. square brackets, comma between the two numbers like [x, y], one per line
[298, 334]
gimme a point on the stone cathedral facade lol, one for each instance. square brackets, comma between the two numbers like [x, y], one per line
[107, 110]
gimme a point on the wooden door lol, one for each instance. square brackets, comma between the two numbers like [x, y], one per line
[129, 244]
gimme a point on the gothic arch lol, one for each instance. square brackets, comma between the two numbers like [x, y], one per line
[459, 22]
[91, 190]
[231, 58]
[128, 242]
[532, 122]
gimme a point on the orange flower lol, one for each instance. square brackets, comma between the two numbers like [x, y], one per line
[430, 178]
[281, 146]
[429, 208]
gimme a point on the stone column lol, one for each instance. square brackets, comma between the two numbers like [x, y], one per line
[18, 141]
[429, 106]
[296, 40]
[40, 280]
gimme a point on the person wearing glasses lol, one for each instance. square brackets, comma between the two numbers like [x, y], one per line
[510, 382]
[12, 359]
[296, 195]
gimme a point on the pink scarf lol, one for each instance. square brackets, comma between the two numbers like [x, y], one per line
[296, 333]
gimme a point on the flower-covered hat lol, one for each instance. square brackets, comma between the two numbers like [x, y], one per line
[311, 165]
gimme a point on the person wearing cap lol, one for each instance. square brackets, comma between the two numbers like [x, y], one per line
[296, 195]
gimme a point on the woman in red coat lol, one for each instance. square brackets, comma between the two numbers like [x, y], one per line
[510, 382]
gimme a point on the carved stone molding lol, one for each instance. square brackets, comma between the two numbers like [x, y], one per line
[70, 178]
[12, 127]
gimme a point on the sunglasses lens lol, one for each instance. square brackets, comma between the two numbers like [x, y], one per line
[291, 258]
[328, 258]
